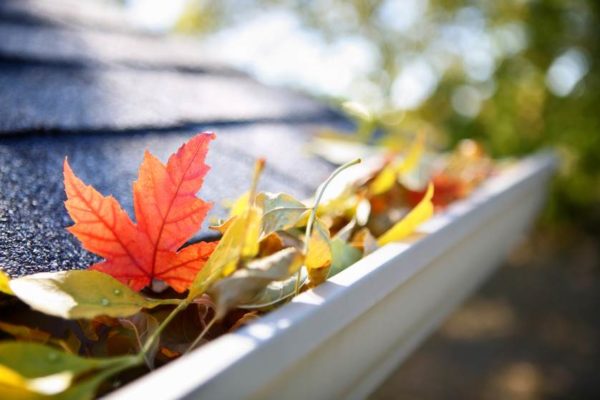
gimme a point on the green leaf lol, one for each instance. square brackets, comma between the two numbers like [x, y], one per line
[245, 284]
[4, 283]
[34, 360]
[79, 294]
[30, 368]
[343, 256]
[86, 390]
[275, 292]
[280, 211]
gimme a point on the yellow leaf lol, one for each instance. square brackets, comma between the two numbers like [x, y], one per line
[241, 234]
[386, 179]
[413, 157]
[240, 239]
[227, 253]
[252, 232]
[39, 369]
[421, 213]
[222, 228]
[11, 378]
[345, 203]
[240, 205]
[4, 279]
[319, 249]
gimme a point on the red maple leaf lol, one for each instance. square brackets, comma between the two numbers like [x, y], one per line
[167, 211]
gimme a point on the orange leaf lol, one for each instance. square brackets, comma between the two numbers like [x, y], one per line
[166, 206]
[168, 213]
[180, 269]
[104, 228]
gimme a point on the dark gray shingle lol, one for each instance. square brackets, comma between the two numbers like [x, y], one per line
[32, 215]
[57, 97]
[90, 47]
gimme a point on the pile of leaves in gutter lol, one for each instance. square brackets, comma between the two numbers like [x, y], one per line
[154, 297]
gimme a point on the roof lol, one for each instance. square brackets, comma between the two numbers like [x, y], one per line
[77, 82]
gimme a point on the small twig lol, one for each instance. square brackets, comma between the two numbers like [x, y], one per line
[138, 337]
[320, 192]
[156, 334]
[258, 169]
[313, 213]
[201, 335]
[135, 330]
[207, 305]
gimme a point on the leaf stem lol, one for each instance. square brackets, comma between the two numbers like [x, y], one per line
[314, 208]
[151, 303]
[156, 334]
[258, 168]
[201, 335]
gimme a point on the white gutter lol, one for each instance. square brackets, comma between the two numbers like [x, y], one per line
[341, 339]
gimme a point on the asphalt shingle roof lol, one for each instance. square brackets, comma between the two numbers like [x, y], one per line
[76, 81]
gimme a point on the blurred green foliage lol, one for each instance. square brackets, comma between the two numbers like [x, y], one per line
[537, 86]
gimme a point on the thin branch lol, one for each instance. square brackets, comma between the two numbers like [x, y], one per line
[201, 335]
[313, 213]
